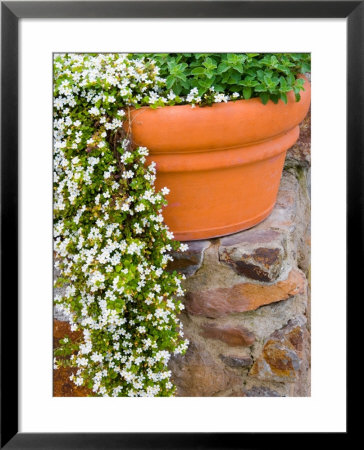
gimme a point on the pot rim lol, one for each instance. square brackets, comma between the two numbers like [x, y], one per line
[234, 124]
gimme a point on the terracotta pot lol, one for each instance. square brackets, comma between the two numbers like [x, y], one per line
[222, 163]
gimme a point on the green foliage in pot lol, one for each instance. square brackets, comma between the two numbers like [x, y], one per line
[233, 75]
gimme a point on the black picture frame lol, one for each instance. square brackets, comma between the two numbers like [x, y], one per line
[11, 12]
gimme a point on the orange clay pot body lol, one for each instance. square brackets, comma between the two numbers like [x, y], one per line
[222, 163]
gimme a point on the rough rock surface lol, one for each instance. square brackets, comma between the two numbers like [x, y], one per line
[244, 296]
[236, 361]
[300, 153]
[197, 374]
[58, 314]
[256, 254]
[261, 391]
[233, 336]
[189, 261]
[281, 357]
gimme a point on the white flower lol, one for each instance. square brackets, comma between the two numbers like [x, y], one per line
[94, 111]
[183, 247]
[171, 95]
[128, 174]
[219, 97]
[140, 207]
[97, 357]
[78, 381]
[138, 228]
[143, 151]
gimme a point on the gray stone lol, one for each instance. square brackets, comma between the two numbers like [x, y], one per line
[57, 311]
[59, 314]
[285, 210]
[300, 153]
[252, 236]
[236, 361]
[190, 261]
[255, 254]
[197, 374]
[261, 391]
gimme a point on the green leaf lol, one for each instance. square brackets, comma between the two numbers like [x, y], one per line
[261, 74]
[223, 67]
[264, 97]
[170, 81]
[219, 87]
[306, 67]
[204, 84]
[247, 92]
[198, 71]
[185, 84]
[239, 67]
[209, 63]
[234, 78]
[200, 55]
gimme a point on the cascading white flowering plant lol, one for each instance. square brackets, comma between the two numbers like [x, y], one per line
[111, 245]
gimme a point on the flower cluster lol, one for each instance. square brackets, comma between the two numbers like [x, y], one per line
[111, 244]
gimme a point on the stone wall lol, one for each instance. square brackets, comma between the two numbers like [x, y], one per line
[248, 299]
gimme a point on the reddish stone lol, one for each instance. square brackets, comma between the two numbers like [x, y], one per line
[278, 362]
[233, 336]
[244, 296]
[62, 385]
[282, 354]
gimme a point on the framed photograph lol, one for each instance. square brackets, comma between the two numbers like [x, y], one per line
[160, 232]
